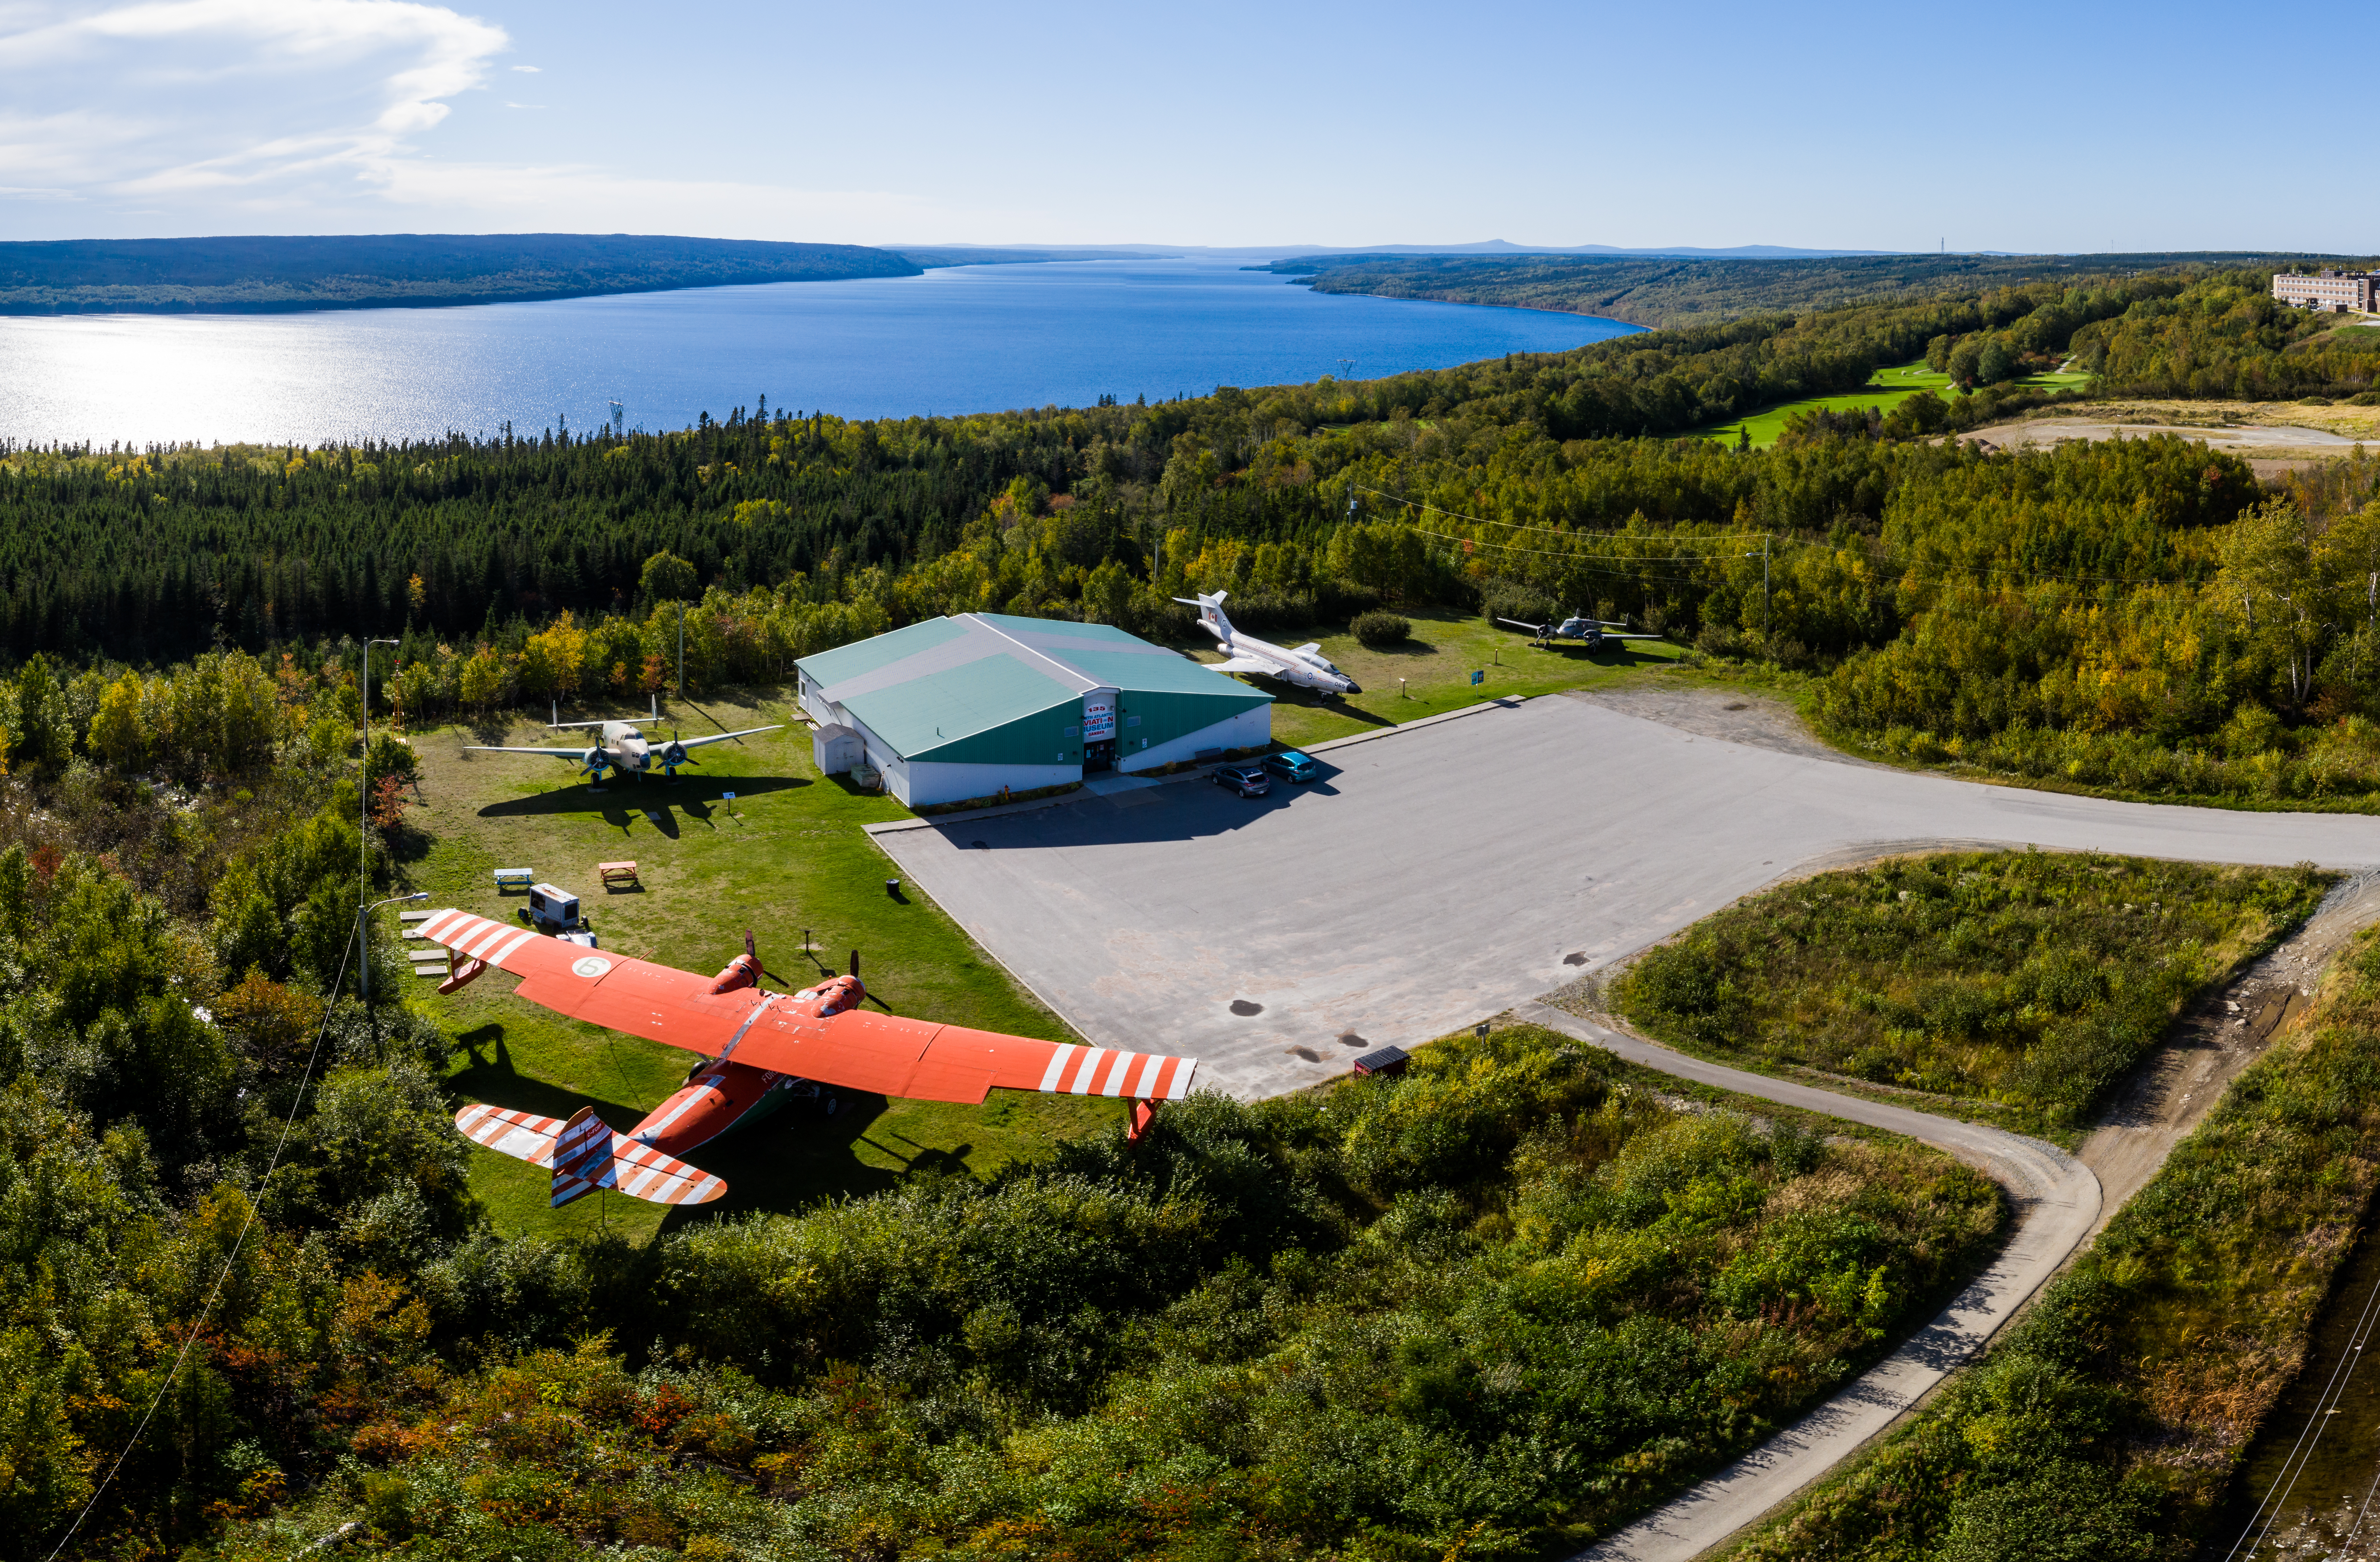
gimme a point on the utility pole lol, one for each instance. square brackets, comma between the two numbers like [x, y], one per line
[363, 801]
[1764, 583]
[681, 650]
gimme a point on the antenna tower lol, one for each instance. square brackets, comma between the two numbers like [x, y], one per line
[619, 420]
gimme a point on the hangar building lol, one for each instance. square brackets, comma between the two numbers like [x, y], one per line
[953, 708]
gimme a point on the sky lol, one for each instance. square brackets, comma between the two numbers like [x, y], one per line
[2022, 127]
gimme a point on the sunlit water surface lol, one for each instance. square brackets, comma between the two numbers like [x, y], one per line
[964, 339]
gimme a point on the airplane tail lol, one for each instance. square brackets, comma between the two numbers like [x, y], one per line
[1210, 613]
[585, 1154]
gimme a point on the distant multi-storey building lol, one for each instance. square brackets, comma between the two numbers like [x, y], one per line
[2337, 292]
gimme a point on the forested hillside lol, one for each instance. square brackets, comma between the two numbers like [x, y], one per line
[2140, 616]
[270, 274]
[1672, 293]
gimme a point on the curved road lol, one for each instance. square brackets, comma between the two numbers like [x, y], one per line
[2058, 1204]
[1459, 867]
[1439, 872]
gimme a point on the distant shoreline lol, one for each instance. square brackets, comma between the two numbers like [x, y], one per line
[290, 275]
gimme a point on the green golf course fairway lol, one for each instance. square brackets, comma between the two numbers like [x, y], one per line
[1887, 389]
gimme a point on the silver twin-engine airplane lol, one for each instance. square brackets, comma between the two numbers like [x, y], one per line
[1306, 666]
[623, 748]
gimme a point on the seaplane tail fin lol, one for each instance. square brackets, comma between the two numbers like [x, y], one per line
[585, 1154]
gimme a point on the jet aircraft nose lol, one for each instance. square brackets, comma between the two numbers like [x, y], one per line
[1353, 687]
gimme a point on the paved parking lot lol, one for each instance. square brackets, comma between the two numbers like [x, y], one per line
[1437, 876]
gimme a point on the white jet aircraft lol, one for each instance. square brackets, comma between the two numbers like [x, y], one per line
[1306, 666]
[625, 749]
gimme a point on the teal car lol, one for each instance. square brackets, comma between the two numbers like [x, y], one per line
[1289, 765]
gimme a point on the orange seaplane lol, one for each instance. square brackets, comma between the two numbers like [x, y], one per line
[760, 1048]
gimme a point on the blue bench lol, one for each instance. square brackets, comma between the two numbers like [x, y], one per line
[514, 878]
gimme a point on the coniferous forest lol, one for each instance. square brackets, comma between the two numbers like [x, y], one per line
[1495, 1306]
[2142, 616]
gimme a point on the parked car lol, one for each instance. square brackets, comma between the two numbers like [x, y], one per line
[1248, 781]
[1289, 765]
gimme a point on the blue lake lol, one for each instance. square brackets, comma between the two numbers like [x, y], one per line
[964, 339]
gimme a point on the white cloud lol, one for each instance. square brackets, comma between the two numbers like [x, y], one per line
[527, 70]
[250, 104]
[215, 116]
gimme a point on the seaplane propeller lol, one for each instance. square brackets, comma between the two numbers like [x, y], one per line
[670, 759]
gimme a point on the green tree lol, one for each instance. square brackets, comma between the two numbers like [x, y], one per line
[668, 578]
[43, 728]
[2277, 580]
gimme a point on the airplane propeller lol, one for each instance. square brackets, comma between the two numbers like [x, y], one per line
[674, 755]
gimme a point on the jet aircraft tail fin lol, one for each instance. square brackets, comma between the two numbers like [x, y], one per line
[1210, 613]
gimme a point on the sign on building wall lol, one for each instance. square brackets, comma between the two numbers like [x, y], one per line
[1098, 716]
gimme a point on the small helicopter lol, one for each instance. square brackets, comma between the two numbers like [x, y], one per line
[622, 747]
[1594, 633]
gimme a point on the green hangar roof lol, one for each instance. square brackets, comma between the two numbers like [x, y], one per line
[974, 689]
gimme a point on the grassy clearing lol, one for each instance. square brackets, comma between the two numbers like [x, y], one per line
[2109, 1423]
[786, 854]
[1888, 388]
[1436, 666]
[2020, 983]
[1493, 1307]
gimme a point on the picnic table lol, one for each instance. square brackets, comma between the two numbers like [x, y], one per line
[514, 878]
[613, 874]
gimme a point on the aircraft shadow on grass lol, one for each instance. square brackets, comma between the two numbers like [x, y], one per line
[621, 800]
[490, 1076]
[785, 1162]
[1621, 655]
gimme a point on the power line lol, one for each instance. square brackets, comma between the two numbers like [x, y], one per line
[255, 1201]
[1548, 553]
[1522, 526]
[2300, 1456]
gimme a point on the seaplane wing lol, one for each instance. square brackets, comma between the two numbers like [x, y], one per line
[888, 1054]
[1244, 664]
[557, 753]
[1532, 629]
[722, 737]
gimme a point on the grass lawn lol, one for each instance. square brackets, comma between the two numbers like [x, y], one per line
[786, 854]
[1887, 389]
[1436, 666]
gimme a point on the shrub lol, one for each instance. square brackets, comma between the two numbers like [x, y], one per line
[1378, 629]
[1521, 603]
